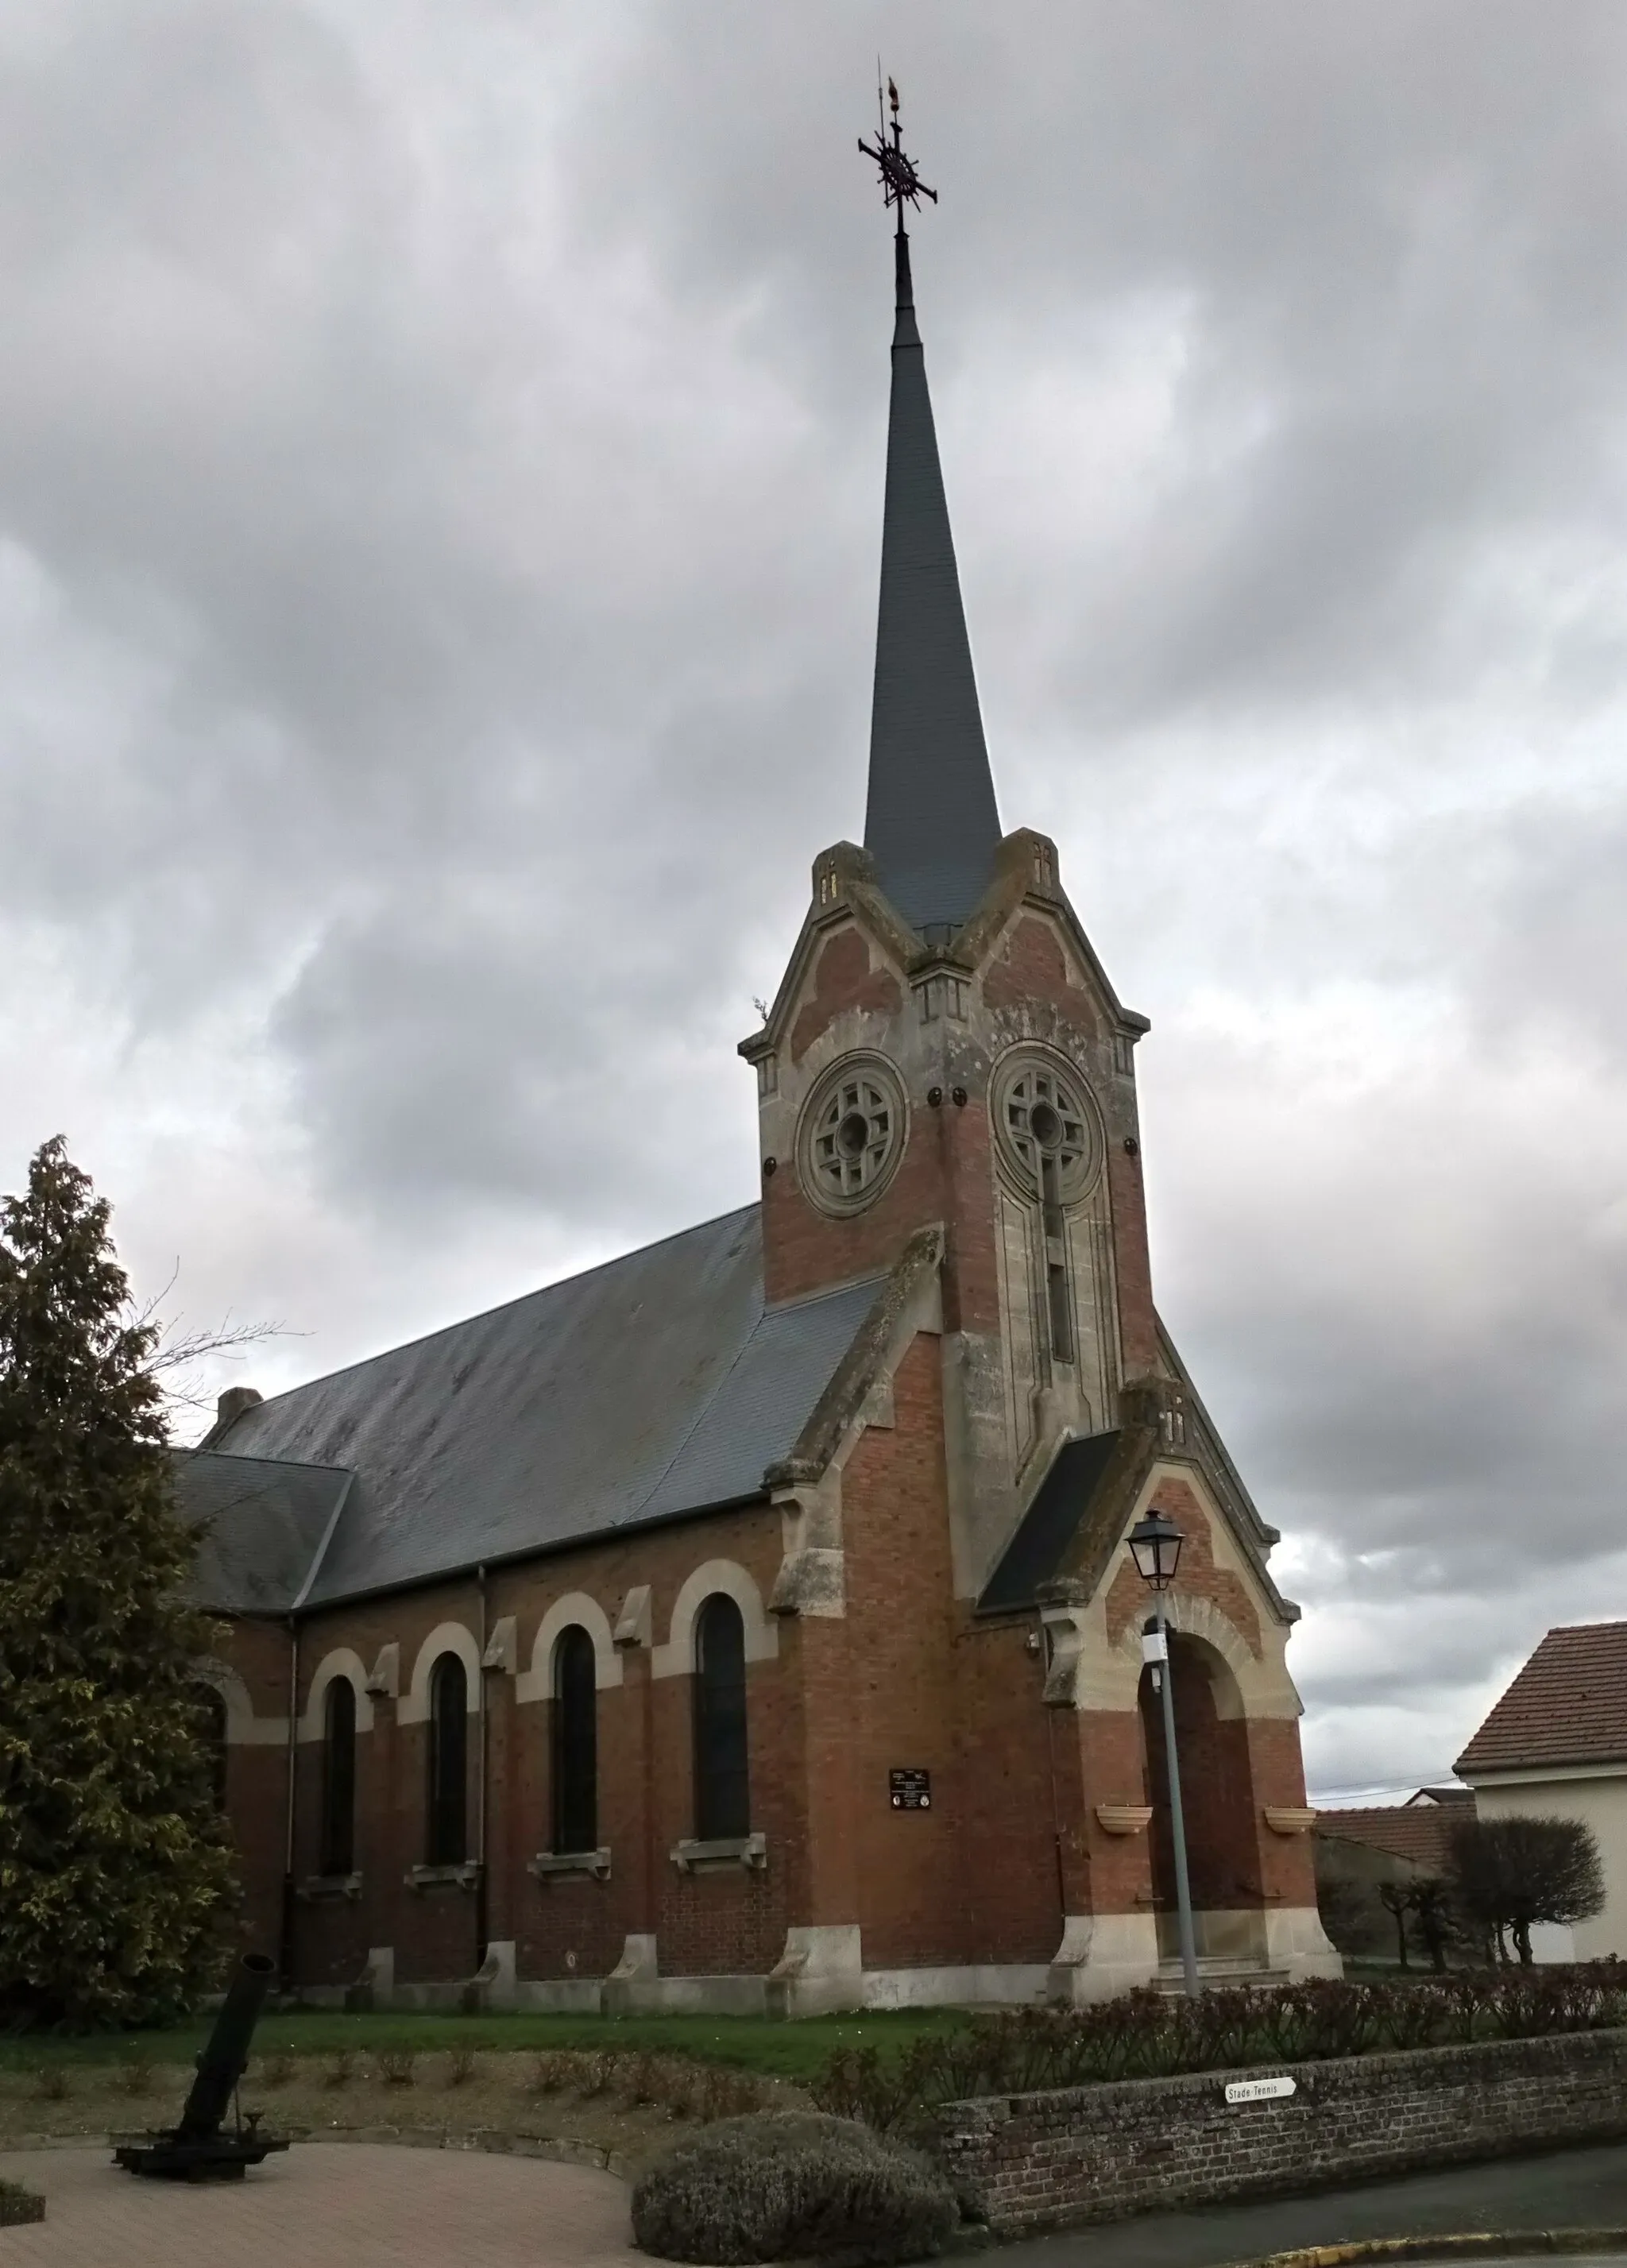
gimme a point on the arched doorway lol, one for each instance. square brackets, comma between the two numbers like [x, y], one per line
[1217, 1792]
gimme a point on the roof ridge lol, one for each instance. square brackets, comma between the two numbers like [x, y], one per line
[281, 1464]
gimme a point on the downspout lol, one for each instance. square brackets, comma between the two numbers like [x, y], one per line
[286, 1950]
[480, 1814]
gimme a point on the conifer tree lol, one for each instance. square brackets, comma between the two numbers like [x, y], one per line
[115, 1876]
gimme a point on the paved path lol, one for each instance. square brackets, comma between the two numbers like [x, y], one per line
[1565, 2189]
[356, 2205]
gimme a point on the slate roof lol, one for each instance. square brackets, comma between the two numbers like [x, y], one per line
[1568, 1705]
[1049, 1525]
[931, 823]
[264, 1527]
[658, 1385]
[1419, 1832]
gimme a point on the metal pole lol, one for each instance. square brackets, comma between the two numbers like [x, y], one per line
[1177, 1821]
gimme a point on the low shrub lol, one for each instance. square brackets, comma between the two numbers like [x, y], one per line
[460, 2067]
[341, 2069]
[397, 2066]
[551, 2073]
[714, 2095]
[793, 2185]
[52, 2083]
[136, 2075]
[1151, 2035]
[19, 2204]
[276, 2071]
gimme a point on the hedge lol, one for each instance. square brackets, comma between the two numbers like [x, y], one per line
[1151, 2035]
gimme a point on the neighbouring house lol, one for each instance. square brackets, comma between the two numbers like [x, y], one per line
[749, 1623]
[1361, 1849]
[1555, 1747]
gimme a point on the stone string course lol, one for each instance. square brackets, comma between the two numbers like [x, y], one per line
[1073, 2154]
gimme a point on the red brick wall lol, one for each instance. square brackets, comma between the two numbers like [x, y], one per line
[843, 979]
[257, 1784]
[975, 1879]
[907, 1678]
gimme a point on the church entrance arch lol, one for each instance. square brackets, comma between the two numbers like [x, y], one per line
[1218, 1799]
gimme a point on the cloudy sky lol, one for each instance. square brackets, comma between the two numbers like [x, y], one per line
[440, 473]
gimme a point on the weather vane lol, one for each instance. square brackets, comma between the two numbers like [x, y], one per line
[900, 184]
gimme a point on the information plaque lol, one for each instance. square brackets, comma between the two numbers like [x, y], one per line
[909, 1788]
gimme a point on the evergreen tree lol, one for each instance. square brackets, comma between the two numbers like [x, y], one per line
[114, 1869]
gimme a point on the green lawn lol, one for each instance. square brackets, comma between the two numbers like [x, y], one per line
[793, 2051]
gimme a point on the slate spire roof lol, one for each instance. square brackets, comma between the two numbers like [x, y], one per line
[930, 824]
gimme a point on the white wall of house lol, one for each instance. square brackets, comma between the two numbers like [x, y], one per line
[1597, 1795]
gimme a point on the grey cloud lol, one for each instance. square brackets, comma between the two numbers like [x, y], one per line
[440, 462]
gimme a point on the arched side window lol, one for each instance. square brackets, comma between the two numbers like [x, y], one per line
[576, 1741]
[722, 1784]
[339, 1779]
[213, 1708]
[446, 1840]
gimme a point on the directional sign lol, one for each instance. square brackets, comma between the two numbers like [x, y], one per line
[1259, 2090]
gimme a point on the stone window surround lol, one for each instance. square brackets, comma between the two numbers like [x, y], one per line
[413, 1708]
[1029, 1054]
[340, 1661]
[749, 1851]
[575, 1607]
[676, 1657]
[461, 1874]
[883, 1075]
[317, 1888]
[548, 1865]
[245, 1727]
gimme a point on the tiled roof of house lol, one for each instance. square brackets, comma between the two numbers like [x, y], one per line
[1417, 1831]
[658, 1385]
[1568, 1705]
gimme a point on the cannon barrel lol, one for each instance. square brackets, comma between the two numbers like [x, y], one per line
[225, 2059]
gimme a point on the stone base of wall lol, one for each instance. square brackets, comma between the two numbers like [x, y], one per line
[1034, 2161]
[822, 1971]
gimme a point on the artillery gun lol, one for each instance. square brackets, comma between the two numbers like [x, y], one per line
[203, 2148]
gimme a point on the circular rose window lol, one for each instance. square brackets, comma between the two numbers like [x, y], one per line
[1044, 1123]
[852, 1134]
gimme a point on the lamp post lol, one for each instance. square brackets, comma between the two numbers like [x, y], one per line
[1155, 1546]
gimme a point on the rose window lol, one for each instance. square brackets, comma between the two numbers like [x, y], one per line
[852, 1135]
[1046, 1125]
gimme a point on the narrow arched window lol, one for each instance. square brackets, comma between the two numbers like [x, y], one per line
[339, 1779]
[213, 1707]
[576, 1741]
[722, 1786]
[447, 1840]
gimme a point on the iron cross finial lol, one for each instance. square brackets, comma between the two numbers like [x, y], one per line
[900, 184]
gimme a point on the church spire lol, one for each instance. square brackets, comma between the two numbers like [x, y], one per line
[930, 823]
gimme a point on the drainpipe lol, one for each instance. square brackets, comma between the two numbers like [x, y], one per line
[480, 1814]
[286, 1954]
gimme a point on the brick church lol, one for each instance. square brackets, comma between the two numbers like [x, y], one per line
[748, 1623]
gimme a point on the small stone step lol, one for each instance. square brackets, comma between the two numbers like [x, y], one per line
[1222, 1973]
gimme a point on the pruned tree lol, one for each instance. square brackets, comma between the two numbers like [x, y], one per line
[1433, 1918]
[1397, 1900]
[1511, 1874]
[116, 1873]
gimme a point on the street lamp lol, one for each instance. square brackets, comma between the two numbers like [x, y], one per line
[1155, 1546]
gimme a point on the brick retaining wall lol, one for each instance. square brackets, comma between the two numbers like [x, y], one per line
[1104, 2152]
